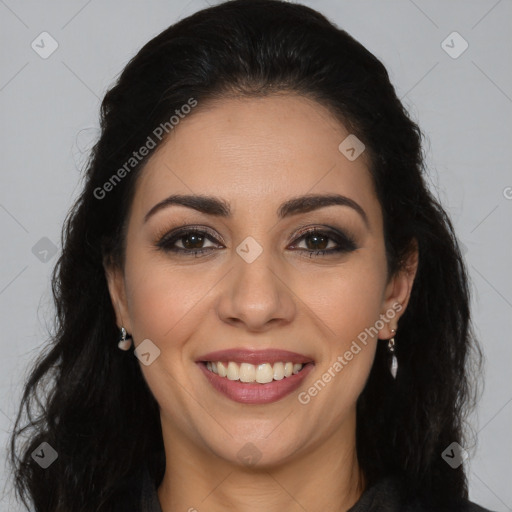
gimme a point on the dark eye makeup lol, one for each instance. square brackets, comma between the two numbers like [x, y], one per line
[317, 241]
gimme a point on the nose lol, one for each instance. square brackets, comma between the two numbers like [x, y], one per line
[257, 295]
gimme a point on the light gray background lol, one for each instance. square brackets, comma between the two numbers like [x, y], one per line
[49, 120]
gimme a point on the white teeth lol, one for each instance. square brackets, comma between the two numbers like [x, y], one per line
[233, 371]
[264, 373]
[246, 372]
[221, 369]
[278, 371]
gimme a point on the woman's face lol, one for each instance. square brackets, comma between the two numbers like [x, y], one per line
[255, 282]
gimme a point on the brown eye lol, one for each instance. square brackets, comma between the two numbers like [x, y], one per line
[317, 242]
[320, 242]
[191, 240]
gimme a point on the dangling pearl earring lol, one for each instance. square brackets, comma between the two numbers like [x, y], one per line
[124, 343]
[393, 365]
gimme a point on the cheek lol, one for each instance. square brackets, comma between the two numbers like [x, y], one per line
[346, 299]
[161, 299]
[165, 302]
[349, 306]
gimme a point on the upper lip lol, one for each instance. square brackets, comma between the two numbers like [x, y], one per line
[240, 355]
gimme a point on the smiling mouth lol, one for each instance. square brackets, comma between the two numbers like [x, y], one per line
[250, 373]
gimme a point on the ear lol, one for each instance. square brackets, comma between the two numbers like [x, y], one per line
[398, 292]
[117, 291]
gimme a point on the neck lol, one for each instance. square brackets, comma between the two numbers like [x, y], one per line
[326, 477]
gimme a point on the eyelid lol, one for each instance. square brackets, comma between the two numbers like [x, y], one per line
[300, 232]
[163, 235]
[325, 230]
[315, 227]
[344, 240]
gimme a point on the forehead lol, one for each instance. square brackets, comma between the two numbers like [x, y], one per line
[255, 153]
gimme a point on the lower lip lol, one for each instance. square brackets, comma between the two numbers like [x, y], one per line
[256, 393]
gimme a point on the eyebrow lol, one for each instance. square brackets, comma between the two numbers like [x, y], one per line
[210, 205]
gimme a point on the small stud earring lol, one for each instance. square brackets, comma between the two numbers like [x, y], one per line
[393, 362]
[124, 343]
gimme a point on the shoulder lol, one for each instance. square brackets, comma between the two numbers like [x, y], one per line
[461, 506]
[390, 495]
[473, 507]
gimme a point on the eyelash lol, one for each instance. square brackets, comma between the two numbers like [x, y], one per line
[345, 242]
